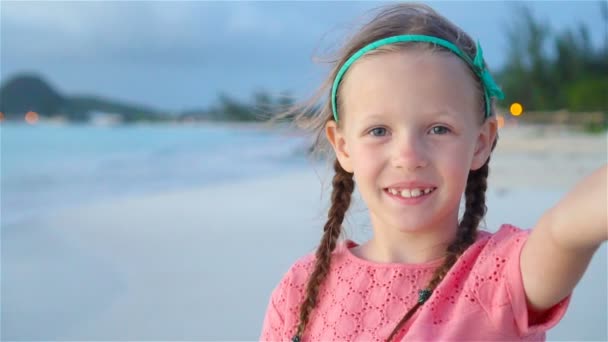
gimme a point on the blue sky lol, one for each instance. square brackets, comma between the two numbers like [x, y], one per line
[181, 55]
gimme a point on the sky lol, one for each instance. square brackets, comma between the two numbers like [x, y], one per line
[176, 56]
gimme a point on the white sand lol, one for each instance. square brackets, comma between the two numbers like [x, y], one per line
[200, 264]
[543, 157]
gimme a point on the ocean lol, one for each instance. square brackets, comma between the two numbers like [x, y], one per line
[45, 167]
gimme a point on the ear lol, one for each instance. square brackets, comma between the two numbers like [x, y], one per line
[483, 147]
[338, 142]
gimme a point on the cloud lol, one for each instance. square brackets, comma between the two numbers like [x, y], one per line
[161, 32]
[247, 19]
[122, 47]
[94, 30]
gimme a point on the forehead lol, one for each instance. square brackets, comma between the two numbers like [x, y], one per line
[409, 82]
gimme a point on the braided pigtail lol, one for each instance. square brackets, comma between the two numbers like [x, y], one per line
[475, 209]
[343, 186]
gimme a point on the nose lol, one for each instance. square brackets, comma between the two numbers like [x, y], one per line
[409, 153]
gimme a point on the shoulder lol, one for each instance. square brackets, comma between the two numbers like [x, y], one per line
[292, 285]
[498, 282]
[495, 256]
[293, 282]
[507, 238]
[285, 299]
[299, 271]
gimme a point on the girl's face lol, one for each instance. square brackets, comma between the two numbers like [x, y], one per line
[410, 131]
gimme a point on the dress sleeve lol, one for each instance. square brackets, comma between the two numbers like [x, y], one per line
[274, 322]
[503, 292]
[282, 311]
[526, 324]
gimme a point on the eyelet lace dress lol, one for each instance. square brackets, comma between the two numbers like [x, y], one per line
[481, 297]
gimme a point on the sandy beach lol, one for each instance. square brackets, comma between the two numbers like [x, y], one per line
[200, 264]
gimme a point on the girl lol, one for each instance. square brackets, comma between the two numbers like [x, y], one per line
[410, 118]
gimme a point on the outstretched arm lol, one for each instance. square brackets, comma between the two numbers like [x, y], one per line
[562, 243]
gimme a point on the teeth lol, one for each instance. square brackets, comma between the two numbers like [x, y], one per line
[407, 193]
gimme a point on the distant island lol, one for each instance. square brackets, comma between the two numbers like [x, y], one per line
[29, 92]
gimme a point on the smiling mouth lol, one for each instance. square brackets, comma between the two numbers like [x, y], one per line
[410, 193]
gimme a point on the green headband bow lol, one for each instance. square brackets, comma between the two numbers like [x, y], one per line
[490, 87]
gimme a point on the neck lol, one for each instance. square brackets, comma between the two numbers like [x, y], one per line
[390, 245]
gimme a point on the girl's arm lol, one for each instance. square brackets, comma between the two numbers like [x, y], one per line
[562, 243]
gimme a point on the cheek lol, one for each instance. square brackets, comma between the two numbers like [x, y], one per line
[367, 160]
[456, 159]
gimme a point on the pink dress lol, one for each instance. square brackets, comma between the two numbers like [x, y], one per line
[480, 299]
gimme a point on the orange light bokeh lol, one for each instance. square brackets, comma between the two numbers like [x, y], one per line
[1, 116]
[516, 109]
[500, 120]
[31, 117]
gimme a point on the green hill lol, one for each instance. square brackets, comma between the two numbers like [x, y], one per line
[30, 92]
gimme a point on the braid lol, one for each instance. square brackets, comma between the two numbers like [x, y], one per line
[475, 209]
[343, 186]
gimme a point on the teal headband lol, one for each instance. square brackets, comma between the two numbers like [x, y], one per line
[489, 86]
